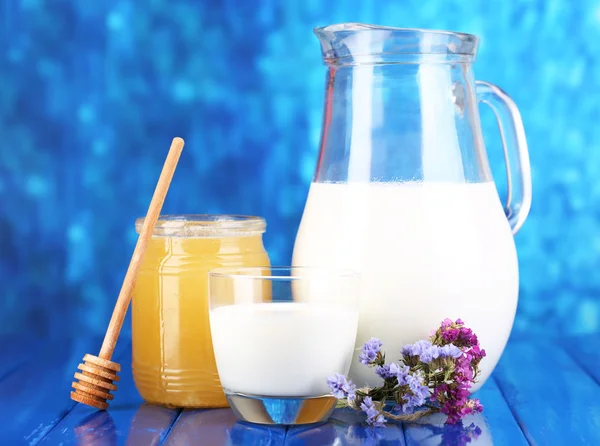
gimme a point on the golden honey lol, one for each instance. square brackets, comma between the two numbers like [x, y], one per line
[173, 361]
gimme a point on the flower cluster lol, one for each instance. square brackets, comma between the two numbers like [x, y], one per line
[437, 373]
[453, 397]
[371, 352]
[341, 387]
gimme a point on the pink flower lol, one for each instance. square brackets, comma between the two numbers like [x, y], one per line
[450, 335]
[447, 322]
[453, 396]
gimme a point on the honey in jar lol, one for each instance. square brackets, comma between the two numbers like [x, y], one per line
[173, 362]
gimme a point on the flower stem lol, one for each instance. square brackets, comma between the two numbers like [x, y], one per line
[411, 416]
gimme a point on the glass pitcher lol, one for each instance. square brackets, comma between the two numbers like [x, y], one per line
[403, 191]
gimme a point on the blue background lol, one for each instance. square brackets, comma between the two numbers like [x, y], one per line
[91, 93]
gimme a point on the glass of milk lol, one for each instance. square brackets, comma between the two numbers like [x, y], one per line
[278, 333]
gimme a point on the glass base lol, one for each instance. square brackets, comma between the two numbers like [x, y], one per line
[281, 410]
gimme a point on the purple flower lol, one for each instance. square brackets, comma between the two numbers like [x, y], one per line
[467, 337]
[458, 334]
[474, 405]
[418, 393]
[417, 387]
[341, 387]
[451, 351]
[447, 322]
[428, 352]
[464, 371]
[459, 343]
[374, 416]
[370, 351]
[450, 334]
[476, 352]
[457, 410]
[369, 408]
[400, 371]
[415, 349]
[384, 371]
[454, 400]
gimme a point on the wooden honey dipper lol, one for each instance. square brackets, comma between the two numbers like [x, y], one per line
[98, 373]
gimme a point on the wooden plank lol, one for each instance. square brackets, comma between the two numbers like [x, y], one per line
[432, 431]
[345, 427]
[35, 397]
[128, 420]
[584, 350]
[14, 351]
[550, 394]
[553, 399]
[220, 427]
[499, 420]
[496, 425]
[142, 424]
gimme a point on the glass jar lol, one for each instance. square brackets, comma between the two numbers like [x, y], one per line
[172, 360]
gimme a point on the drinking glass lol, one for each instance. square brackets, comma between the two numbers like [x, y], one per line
[278, 333]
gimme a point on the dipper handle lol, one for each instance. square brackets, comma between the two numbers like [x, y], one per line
[118, 316]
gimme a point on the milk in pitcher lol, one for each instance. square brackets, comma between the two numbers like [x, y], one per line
[425, 251]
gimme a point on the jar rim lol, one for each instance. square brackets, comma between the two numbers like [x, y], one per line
[206, 225]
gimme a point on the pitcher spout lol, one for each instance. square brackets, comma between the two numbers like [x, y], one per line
[356, 43]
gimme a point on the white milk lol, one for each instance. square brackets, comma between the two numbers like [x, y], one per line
[426, 251]
[282, 349]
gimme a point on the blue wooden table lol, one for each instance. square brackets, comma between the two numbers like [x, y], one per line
[543, 392]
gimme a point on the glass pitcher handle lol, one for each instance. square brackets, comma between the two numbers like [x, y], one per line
[516, 155]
